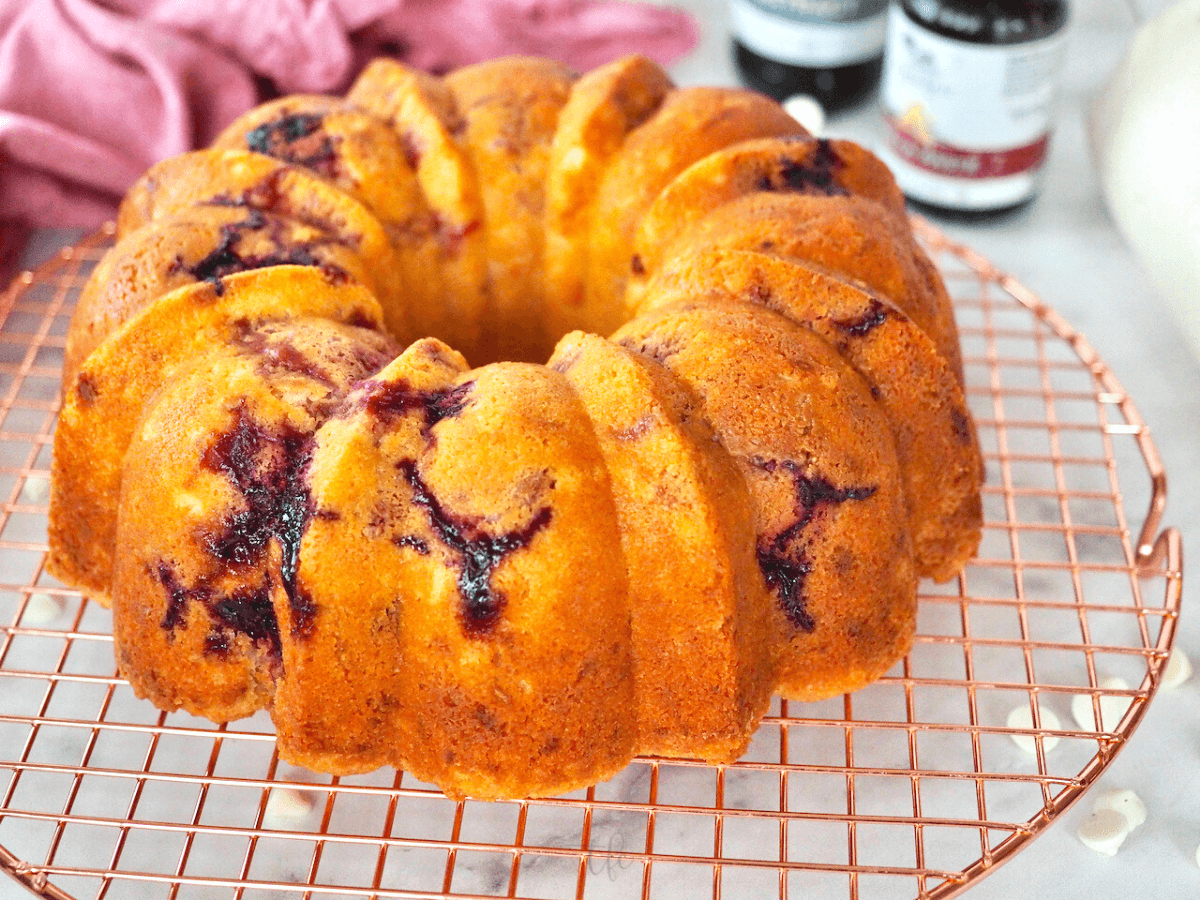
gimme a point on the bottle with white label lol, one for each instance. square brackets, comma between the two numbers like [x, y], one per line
[967, 96]
[831, 50]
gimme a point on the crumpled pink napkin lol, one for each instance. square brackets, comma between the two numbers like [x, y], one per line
[92, 92]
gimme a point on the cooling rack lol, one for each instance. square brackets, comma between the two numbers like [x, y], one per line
[916, 786]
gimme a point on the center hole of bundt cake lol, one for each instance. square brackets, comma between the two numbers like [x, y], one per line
[508, 341]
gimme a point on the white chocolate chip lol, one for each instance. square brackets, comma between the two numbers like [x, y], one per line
[1081, 711]
[1104, 831]
[1127, 803]
[42, 609]
[1111, 708]
[35, 489]
[1178, 670]
[287, 805]
[574, 159]
[1022, 717]
[1114, 815]
[189, 503]
[807, 111]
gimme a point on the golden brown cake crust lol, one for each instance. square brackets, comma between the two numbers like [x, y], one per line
[336, 140]
[604, 106]
[510, 112]
[102, 408]
[199, 243]
[242, 179]
[353, 486]
[817, 454]
[362, 155]
[845, 235]
[502, 590]
[219, 454]
[789, 165]
[939, 454]
[702, 679]
[510, 579]
[690, 124]
[423, 112]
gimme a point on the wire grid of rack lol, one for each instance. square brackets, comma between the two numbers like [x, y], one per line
[914, 786]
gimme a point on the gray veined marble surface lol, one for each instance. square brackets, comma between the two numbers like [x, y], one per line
[1065, 248]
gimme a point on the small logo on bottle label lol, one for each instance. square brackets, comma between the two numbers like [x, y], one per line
[910, 138]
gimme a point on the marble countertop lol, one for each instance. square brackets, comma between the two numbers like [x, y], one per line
[1066, 248]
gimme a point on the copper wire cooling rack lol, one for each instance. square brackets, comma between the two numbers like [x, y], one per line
[916, 786]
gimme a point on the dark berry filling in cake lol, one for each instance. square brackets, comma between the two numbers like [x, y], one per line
[658, 350]
[785, 564]
[225, 259]
[280, 355]
[297, 138]
[412, 542]
[413, 149]
[962, 426]
[387, 400]
[451, 236]
[266, 466]
[271, 194]
[863, 325]
[480, 553]
[248, 610]
[85, 387]
[814, 176]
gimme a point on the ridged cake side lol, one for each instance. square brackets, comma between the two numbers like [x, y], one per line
[505, 577]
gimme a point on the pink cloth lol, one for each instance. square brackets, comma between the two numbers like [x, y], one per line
[92, 92]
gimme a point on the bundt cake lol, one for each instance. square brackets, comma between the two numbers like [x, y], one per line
[711, 433]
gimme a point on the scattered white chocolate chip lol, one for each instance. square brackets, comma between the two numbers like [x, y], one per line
[35, 489]
[41, 609]
[1111, 708]
[189, 503]
[287, 805]
[1114, 815]
[807, 111]
[1022, 717]
[1127, 803]
[1179, 669]
[1104, 831]
[574, 159]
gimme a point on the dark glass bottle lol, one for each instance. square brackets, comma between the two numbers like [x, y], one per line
[967, 98]
[831, 50]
